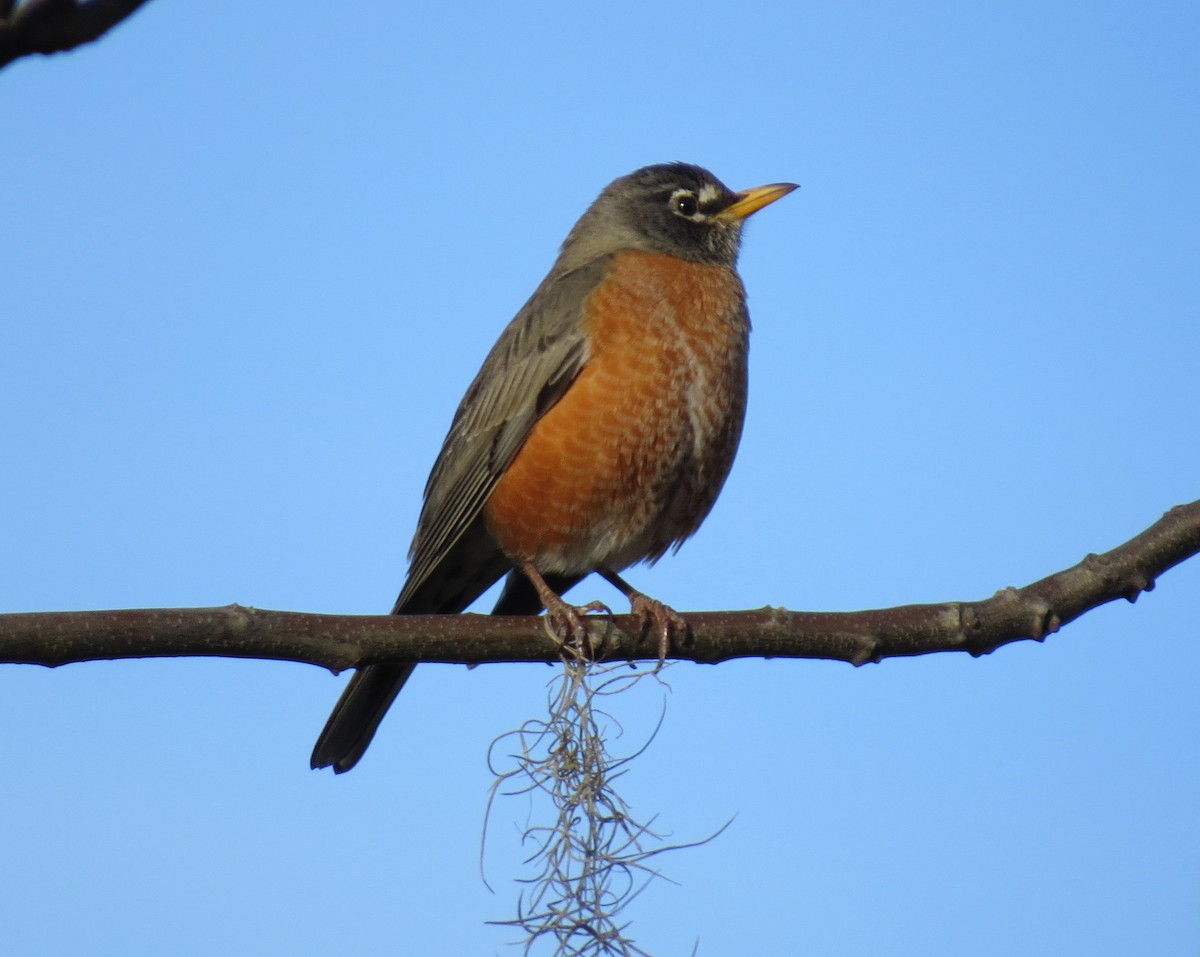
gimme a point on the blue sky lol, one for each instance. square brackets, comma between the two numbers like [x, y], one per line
[252, 256]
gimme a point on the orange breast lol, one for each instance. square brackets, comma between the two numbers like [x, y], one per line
[631, 458]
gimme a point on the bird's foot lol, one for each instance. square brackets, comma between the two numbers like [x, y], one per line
[660, 619]
[565, 624]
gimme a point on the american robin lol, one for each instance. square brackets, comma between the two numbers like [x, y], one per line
[599, 430]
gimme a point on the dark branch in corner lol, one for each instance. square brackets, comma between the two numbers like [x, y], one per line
[53, 26]
[344, 641]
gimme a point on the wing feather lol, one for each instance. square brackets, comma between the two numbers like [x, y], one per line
[530, 367]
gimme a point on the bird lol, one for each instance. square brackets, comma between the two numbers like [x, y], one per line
[599, 430]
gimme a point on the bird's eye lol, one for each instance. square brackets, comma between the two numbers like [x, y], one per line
[684, 204]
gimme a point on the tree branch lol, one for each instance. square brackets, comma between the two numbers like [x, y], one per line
[343, 641]
[53, 26]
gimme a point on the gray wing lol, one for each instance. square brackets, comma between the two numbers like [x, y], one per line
[530, 367]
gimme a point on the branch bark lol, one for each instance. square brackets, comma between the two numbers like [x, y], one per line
[53, 26]
[344, 641]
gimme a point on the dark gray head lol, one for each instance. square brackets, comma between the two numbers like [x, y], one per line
[673, 208]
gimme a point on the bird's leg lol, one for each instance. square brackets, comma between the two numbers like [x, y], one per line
[664, 619]
[564, 621]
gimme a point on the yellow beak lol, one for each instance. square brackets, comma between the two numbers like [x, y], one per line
[753, 199]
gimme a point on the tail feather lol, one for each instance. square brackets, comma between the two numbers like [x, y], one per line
[372, 689]
[357, 714]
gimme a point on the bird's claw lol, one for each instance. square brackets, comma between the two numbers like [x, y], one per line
[661, 619]
[565, 625]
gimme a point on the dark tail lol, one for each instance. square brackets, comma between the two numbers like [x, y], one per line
[372, 690]
[357, 714]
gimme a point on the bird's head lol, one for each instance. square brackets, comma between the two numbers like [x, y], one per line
[673, 208]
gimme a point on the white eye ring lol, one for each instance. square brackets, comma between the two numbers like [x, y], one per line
[684, 203]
